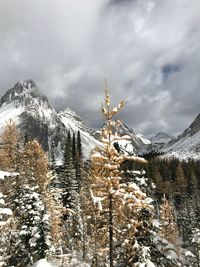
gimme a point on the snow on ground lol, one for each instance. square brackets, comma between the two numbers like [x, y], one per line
[3, 174]
[42, 263]
[67, 261]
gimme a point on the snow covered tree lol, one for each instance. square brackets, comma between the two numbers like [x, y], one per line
[32, 237]
[195, 241]
[55, 211]
[52, 155]
[119, 214]
[6, 226]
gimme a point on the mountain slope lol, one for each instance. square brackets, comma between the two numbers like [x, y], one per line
[74, 123]
[36, 118]
[186, 145]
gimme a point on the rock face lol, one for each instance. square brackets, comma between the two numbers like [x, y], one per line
[36, 118]
[187, 144]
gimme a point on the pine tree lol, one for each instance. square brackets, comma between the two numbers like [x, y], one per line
[52, 155]
[71, 198]
[79, 161]
[69, 183]
[119, 214]
[55, 210]
[74, 148]
[6, 227]
[195, 241]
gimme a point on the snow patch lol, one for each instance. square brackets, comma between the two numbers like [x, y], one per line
[42, 263]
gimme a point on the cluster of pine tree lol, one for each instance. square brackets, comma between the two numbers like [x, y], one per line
[179, 181]
[102, 211]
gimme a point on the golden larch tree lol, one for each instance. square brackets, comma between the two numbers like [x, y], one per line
[169, 229]
[111, 200]
[10, 145]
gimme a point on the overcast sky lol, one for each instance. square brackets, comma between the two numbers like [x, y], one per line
[149, 51]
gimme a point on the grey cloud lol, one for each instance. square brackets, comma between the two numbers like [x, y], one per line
[148, 50]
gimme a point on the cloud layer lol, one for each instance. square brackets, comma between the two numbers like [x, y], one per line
[147, 49]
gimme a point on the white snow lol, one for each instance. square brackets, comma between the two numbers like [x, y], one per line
[42, 263]
[6, 211]
[9, 112]
[3, 174]
[97, 201]
[144, 139]
[126, 146]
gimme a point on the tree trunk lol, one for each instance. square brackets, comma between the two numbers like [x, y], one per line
[111, 230]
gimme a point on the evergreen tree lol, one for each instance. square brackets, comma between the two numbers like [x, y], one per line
[52, 155]
[71, 198]
[69, 183]
[74, 148]
[55, 211]
[79, 161]
[195, 241]
[6, 226]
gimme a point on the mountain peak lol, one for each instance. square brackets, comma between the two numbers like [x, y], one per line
[23, 91]
[25, 84]
[162, 137]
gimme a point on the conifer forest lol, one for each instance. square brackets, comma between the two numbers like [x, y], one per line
[114, 209]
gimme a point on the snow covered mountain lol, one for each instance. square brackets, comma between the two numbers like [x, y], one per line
[156, 143]
[187, 144]
[36, 118]
[74, 123]
[162, 137]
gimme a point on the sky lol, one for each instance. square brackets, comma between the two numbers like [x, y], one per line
[148, 50]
